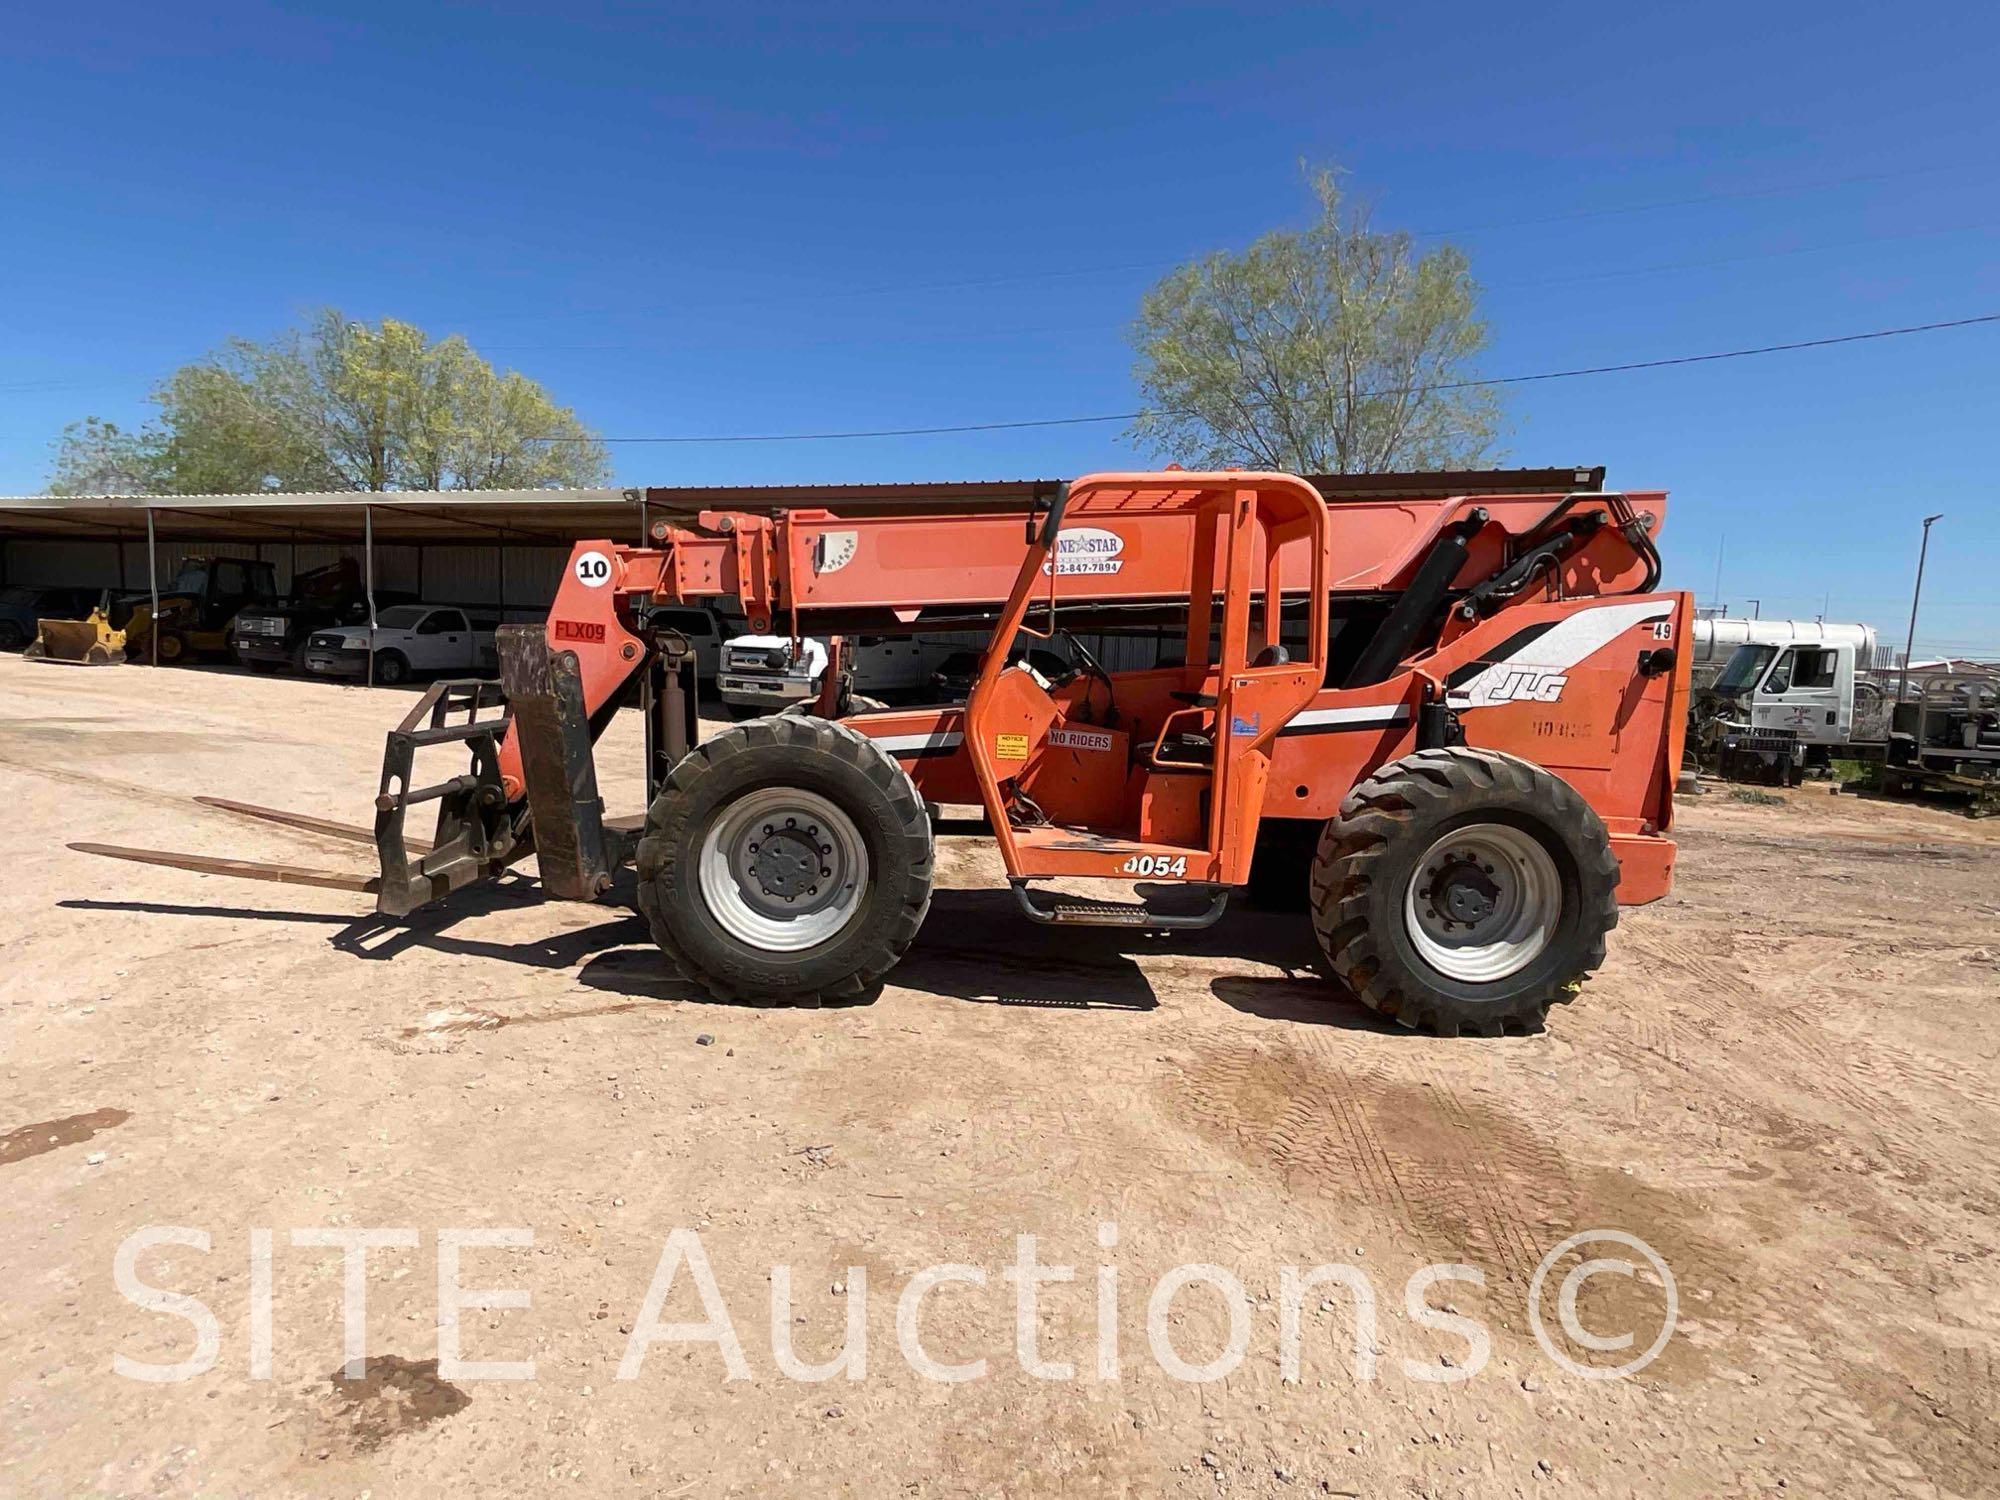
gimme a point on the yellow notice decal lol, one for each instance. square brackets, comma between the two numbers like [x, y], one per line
[1010, 746]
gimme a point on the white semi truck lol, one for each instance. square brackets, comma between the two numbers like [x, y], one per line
[1712, 642]
[1776, 708]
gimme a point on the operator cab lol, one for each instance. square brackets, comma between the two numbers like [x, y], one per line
[1160, 773]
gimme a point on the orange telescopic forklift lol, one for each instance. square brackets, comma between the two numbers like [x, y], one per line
[1448, 726]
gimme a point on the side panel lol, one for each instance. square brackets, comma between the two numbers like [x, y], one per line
[1335, 741]
[1560, 683]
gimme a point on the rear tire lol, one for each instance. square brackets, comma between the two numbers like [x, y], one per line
[721, 915]
[1464, 890]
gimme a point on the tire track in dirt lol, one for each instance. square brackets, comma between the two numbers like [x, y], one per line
[1455, 1178]
[1497, 1165]
[1824, 1418]
[1717, 989]
[1451, 1178]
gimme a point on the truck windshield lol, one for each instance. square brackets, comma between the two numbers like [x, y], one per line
[1744, 668]
[401, 617]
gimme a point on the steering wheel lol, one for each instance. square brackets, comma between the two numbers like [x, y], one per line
[1089, 664]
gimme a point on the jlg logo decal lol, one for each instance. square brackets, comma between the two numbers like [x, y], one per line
[1525, 685]
[579, 630]
[1156, 864]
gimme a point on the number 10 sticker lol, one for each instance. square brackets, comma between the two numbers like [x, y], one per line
[593, 570]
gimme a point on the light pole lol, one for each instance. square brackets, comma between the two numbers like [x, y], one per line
[1917, 593]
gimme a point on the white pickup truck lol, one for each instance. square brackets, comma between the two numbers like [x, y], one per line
[409, 640]
[760, 676]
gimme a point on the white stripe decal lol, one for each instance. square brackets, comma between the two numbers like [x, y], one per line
[1574, 639]
[915, 744]
[1349, 718]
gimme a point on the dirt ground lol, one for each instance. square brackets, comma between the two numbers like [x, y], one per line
[1784, 1083]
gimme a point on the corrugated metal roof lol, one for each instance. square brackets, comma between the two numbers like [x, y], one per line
[562, 516]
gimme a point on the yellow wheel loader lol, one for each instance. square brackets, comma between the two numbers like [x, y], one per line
[89, 642]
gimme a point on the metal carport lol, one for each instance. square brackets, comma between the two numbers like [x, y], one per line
[529, 531]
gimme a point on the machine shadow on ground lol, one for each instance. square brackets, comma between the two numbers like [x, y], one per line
[954, 957]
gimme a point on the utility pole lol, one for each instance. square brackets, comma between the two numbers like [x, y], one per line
[1917, 593]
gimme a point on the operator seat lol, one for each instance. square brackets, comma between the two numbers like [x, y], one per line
[1194, 749]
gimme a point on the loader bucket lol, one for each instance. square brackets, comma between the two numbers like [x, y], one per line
[86, 643]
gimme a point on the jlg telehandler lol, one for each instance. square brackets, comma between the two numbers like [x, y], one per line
[1451, 723]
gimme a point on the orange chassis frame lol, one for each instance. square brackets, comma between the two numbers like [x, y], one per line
[1167, 774]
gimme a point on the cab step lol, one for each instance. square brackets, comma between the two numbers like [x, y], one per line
[1058, 910]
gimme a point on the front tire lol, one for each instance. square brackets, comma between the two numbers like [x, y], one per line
[786, 859]
[391, 669]
[1464, 890]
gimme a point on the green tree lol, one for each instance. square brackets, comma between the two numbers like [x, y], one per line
[96, 457]
[1323, 350]
[337, 405]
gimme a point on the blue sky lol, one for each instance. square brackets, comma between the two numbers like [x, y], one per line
[761, 218]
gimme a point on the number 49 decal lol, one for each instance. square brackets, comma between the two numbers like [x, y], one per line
[1156, 864]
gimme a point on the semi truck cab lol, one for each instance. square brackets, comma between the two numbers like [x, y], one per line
[1805, 690]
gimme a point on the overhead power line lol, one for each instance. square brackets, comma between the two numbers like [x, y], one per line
[1451, 385]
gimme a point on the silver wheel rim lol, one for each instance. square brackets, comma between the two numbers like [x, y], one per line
[1483, 902]
[783, 869]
